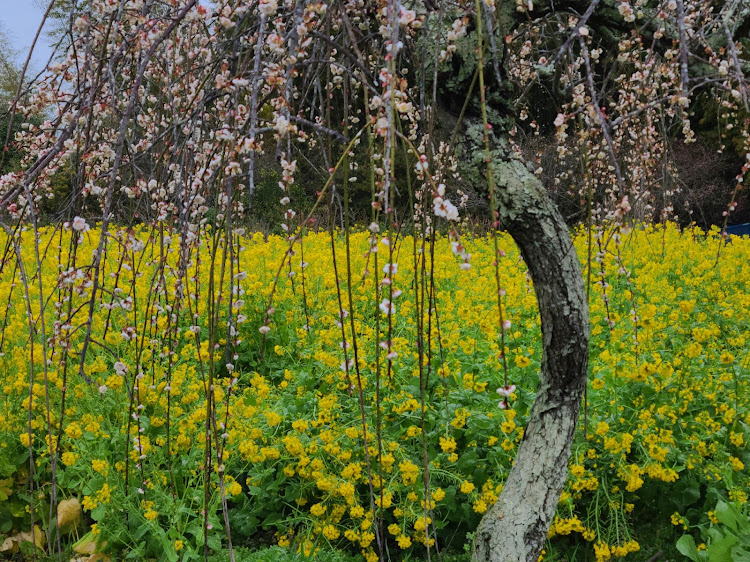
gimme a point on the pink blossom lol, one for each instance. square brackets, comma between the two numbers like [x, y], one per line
[387, 307]
[506, 390]
[79, 224]
[268, 7]
[406, 17]
[390, 268]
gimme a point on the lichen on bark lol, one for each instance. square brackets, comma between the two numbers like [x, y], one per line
[515, 528]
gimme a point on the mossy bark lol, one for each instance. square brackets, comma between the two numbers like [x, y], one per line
[515, 528]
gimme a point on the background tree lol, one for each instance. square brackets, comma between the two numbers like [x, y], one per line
[9, 73]
[9, 78]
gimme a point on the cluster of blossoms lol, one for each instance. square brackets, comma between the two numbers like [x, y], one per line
[621, 136]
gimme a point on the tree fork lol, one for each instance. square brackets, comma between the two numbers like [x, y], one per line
[516, 526]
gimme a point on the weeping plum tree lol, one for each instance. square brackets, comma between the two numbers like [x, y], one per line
[163, 112]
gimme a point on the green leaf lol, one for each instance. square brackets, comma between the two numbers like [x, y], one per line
[6, 489]
[450, 497]
[686, 546]
[214, 542]
[467, 461]
[728, 514]
[17, 508]
[92, 486]
[167, 549]
[6, 468]
[272, 519]
[690, 494]
[739, 554]
[194, 529]
[98, 513]
[137, 553]
[721, 551]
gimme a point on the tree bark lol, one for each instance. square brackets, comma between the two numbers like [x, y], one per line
[515, 528]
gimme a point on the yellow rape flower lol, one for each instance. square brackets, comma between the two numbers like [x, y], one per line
[447, 444]
[404, 542]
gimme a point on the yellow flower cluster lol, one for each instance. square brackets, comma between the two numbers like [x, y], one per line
[342, 437]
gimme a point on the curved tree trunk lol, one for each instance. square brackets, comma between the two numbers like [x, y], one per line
[515, 528]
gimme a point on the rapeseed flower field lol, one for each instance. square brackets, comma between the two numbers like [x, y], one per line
[272, 418]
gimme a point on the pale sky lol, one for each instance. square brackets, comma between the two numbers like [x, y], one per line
[20, 20]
